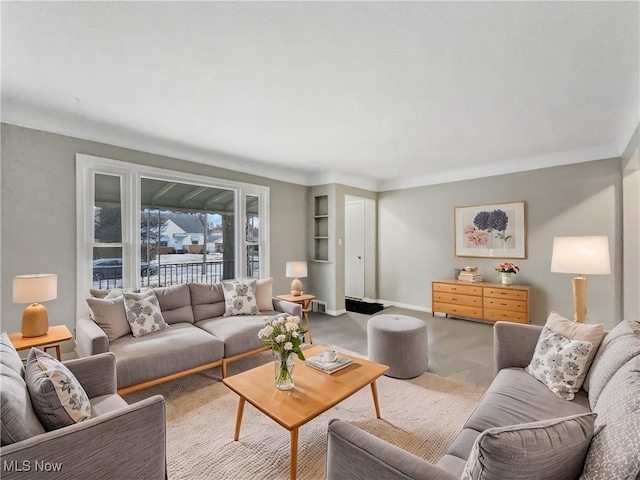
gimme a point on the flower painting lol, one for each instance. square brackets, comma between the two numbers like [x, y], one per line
[496, 230]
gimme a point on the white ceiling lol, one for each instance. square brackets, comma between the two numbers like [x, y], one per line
[380, 95]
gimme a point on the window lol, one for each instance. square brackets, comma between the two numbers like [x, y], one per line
[162, 227]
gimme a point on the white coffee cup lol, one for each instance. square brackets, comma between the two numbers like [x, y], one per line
[330, 355]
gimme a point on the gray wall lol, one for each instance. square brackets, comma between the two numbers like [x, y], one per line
[415, 241]
[39, 224]
[631, 234]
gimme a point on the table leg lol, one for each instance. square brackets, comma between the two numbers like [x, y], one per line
[58, 354]
[239, 418]
[305, 311]
[294, 454]
[374, 392]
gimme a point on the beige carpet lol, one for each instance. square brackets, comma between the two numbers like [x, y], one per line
[421, 415]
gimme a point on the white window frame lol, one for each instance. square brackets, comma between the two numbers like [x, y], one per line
[131, 175]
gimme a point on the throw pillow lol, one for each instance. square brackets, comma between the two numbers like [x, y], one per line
[551, 449]
[9, 356]
[240, 298]
[110, 315]
[264, 294]
[620, 345]
[615, 448]
[558, 362]
[18, 420]
[143, 313]
[56, 395]
[578, 331]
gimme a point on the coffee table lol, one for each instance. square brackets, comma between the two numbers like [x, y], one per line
[314, 393]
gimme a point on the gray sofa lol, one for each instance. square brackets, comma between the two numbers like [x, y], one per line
[516, 398]
[98, 448]
[199, 337]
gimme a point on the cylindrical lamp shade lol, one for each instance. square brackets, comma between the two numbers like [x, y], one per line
[39, 287]
[296, 269]
[581, 255]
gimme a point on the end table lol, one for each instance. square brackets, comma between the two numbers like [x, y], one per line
[53, 338]
[305, 301]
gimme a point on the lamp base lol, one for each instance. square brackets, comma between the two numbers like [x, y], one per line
[296, 287]
[35, 321]
[580, 299]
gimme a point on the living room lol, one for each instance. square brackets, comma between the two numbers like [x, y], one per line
[564, 139]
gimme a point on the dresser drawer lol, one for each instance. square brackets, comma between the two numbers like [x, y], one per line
[457, 299]
[462, 310]
[496, 315]
[457, 288]
[504, 304]
[505, 293]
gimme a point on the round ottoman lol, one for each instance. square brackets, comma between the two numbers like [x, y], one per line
[400, 342]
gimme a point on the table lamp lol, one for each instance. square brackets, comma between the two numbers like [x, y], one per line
[581, 255]
[296, 270]
[34, 288]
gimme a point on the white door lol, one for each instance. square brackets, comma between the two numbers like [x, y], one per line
[354, 249]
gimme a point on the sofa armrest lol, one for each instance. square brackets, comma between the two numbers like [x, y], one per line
[514, 344]
[129, 442]
[90, 338]
[293, 309]
[96, 374]
[353, 454]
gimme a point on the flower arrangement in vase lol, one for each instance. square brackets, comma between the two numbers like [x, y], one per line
[507, 269]
[284, 335]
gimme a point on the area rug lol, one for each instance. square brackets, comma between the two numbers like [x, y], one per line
[421, 416]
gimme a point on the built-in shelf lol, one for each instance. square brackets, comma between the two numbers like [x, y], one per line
[321, 228]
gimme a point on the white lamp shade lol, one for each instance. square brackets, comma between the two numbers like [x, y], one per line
[581, 255]
[296, 269]
[35, 288]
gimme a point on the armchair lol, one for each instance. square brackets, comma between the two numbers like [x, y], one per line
[118, 441]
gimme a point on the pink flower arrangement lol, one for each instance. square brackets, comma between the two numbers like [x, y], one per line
[507, 267]
[475, 236]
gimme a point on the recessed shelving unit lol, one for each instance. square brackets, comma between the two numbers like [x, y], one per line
[321, 228]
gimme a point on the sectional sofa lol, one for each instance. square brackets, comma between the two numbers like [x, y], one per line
[199, 336]
[521, 429]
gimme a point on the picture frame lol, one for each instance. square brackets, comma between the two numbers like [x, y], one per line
[495, 230]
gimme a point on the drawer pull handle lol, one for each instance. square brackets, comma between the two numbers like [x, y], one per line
[453, 288]
[503, 293]
[454, 299]
[503, 304]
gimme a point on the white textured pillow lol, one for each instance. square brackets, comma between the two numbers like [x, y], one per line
[240, 298]
[264, 294]
[578, 331]
[56, 395]
[558, 362]
[143, 313]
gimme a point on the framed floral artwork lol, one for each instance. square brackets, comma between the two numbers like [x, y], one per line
[493, 230]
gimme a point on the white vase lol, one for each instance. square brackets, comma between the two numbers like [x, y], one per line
[507, 278]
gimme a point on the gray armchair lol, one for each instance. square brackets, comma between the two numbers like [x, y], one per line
[118, 441]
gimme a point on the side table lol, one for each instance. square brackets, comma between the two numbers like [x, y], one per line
[305, 301]
[53, 338]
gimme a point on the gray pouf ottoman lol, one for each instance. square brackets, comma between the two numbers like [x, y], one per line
[400, 342]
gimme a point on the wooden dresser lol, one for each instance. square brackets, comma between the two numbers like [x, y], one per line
[482, 300]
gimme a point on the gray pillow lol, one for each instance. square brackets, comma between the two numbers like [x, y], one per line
[56, 395]
[619, 346]
[552, 449]
[9, 356]
[615, 448]
[18, 420]
[110, 316]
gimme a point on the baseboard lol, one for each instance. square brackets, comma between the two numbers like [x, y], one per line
[388, 303]
[335, 313]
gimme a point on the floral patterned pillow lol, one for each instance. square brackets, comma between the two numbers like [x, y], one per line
[56, 395]
[240, 298]
[558, 362]
[143, 313]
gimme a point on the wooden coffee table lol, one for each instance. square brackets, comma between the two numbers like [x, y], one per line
[314, 393]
